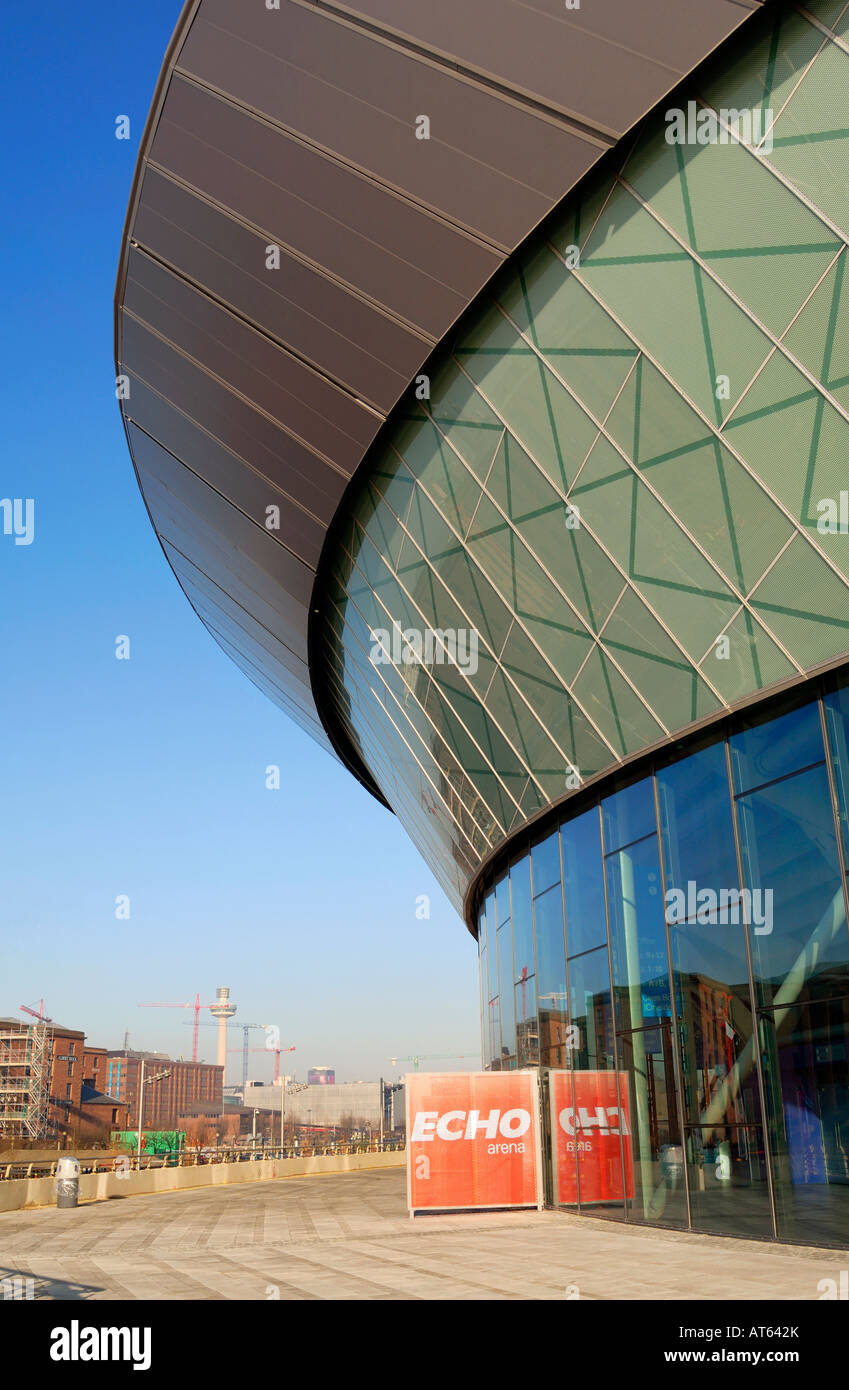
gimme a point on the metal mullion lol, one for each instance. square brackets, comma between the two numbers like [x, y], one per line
[602, 427]
[426, 775]
[438, 850]
[444, 700]
[762, 368]
[492, 500]
[520, 759]
[832, 787]
[797, 84]
[614, 562]
[753, 998]
[611, 977]
[516, 619]
[713, 429]
[440, 736]
[696, 257]
[611, 408]
[831, 36]
[568, 1009]
[744, 607]
[483, 492]
[678, 1065]
[462, 792]
[634, 469]
[598, 636]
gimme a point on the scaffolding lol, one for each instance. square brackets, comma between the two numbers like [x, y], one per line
[24, 1079]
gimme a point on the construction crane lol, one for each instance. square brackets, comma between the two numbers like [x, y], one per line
[197, 1006]
[246, 1029]
[41, 1015]
[440, 1056]
[276, 1050]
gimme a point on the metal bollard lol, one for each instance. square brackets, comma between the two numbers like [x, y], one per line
[67, 1182]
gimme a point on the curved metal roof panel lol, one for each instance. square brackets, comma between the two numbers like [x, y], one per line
[293, 252]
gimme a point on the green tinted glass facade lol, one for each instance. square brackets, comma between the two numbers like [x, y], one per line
[688, 934]
[624, 498]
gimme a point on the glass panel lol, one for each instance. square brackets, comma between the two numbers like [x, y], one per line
[527, 1029]
[583, 883]
[717, 1052]
[799, 941]
[775, 747]
[523, 926]
[502, 900]
[696, 824]
[806, 1082]
[551, 978]
[493, 1028]
[484, 1004]
[505, 992]
[628, 815]
[637, 934]
[590, 1012]
[492, 969]
[837, 723]
[729, 1192]
[545, 861]
[656, 1144]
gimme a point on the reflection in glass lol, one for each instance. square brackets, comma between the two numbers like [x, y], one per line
[590, 1011]
[527, 1029]
[628, 815]
[773, 747]
[837, 722]
[729, 1191]
[492, 952]
[523, 926]
[545, 862]
[638, 936]
[505, 993]
[502, 900]
[760, 1108]
[695, 821]
[806, 1083]
[656, 1143]
[799, 941]
[551, 978]
[583, 886]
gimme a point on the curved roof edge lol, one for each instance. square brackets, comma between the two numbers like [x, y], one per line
[250, 395]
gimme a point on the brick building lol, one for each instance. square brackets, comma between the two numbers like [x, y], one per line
[188, 1087]
[71, 1081]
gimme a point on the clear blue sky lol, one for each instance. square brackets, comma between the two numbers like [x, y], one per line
[146, 777]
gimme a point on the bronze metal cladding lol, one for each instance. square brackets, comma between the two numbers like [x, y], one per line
[258, 378]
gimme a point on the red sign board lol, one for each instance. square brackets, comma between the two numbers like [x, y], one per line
[591, 1136]
[472, 1140]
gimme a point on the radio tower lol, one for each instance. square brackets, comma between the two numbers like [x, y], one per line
[223, 1010]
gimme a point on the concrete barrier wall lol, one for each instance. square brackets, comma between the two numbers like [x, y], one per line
[17, 1193]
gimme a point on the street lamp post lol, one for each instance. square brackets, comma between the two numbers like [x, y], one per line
[142, 1083]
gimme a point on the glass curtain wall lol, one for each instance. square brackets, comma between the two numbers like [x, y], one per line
[682, 947]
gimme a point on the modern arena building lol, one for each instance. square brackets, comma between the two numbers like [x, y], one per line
[485, 369]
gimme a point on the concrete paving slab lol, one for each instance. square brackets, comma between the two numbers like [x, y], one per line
[348, 1236]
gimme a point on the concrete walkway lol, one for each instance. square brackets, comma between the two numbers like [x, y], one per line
[348, 1236]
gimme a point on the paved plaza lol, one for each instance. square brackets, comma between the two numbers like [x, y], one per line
[348, 1236]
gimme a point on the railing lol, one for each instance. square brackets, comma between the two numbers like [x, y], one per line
[46, 1168]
